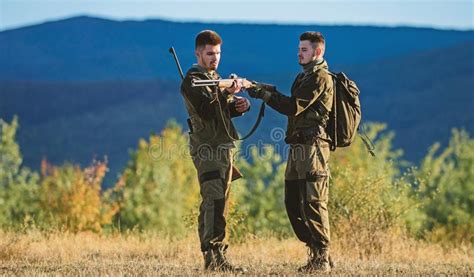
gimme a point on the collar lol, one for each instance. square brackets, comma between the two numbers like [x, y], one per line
[204, 70]
[309, 67]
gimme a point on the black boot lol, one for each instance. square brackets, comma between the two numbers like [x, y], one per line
[215, 260]
[318, 261]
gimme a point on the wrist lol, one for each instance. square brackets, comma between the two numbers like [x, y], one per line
[265, 95]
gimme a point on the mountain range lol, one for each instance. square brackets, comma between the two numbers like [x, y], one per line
[86, 87]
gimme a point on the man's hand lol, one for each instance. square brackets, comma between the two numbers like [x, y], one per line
[241, 104]
[256, 92]
[235, 88]
[261, 91]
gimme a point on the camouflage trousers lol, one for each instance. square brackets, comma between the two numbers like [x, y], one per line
[307, 192]
[214, 168]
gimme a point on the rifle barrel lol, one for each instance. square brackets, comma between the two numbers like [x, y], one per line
[171, 50]
[220, 82]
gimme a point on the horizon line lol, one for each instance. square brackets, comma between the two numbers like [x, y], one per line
[236, 22]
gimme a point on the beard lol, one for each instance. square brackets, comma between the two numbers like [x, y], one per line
[300, 61]
[303, 64]
[212, 66]
[208, 64]
[312, 59]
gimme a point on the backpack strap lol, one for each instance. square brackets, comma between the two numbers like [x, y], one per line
[333, 145]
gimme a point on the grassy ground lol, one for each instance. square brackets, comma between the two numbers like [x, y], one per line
[145, 254]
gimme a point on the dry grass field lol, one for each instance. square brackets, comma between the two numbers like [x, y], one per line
[37, 253]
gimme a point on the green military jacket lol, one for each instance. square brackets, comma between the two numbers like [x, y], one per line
[310, 102]
[207, 119]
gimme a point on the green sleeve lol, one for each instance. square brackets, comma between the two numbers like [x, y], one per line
[303, 96]
[201, 98]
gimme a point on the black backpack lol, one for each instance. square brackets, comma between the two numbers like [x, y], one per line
[346, 114]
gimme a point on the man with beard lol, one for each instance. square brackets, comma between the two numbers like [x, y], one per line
[211, 146]
[307, 173]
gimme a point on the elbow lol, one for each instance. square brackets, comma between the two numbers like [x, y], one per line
[290, 111]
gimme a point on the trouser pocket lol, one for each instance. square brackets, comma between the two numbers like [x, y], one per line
[317, 187]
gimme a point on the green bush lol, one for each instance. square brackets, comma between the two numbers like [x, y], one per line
[260, 194]
[444, 184]
[371, 198]
[159, 186]
[18, 186]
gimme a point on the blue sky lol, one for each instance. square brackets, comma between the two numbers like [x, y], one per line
[425, 13]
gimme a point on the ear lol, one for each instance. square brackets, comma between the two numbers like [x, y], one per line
[318, 51]
[197, 53]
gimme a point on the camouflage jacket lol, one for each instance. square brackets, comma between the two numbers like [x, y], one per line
[206, 116]
[310, 102]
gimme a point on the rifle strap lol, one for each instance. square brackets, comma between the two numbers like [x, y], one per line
[261, 114]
